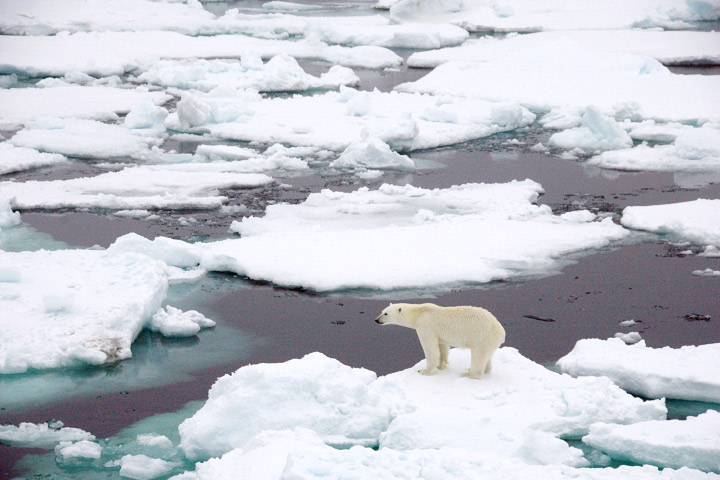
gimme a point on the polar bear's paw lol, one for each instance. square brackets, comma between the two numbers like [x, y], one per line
[427, 371]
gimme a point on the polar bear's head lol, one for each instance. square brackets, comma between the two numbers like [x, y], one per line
[393, 315]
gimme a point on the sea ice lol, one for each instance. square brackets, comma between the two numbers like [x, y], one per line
[314, 392]
[42, 435]
[597, 132]
[8, 218]
[532, 16]
[20, 105]
[151, 187]
[708, 272]
[408, 35]
[173, 322]
[693, 442]
[372, 153]
[279, 74]
[687, 373]
[696, 221]
[337, 119]
[693, 150]
[568, 75]
[17, 159]
[87, 138]
[668, 47]
[73, 453]
[77, 306]
[142, 467]
[87, 52]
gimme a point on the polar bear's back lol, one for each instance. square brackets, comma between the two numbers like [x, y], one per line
[462, 326]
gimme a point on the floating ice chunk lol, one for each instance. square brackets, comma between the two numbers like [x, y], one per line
[43, 435]
[650, 372]
[75, 453]
[142, 467]
[314, 392]
[336, 119]
[16, 159]
[697, 221]
[145, 115]
[628, 323]
[225, 152]
[597, 132]
[571, 76]
[668, 47]
[78, 306]
[19, 105]
[181, 186]
[173, 322]
[280, 74]
[693, 442]
[372, 153]
[579, 216]
[708, 272]
[629, 338]
[87, 138]
[169, 250]
[710, 251]
[8, 218]
[650, 130]
[279, 6]
[408, 35]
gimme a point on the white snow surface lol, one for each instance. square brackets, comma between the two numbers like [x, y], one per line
[41, 435]
[335, 120]
[17, 159]
[513, 415]
[279, 74]
[102, 54]
[151, 187]
[688, 373]
[532, 16]
[300, 454]
[693, 442]
[567, 75]
[74, 307]
[692, 150]
[696, 221]
[668, 47]
[20, 105]
[315, 392]
[371, 239]
[87, 138]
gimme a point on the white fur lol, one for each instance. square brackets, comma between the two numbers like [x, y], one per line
[440, 328]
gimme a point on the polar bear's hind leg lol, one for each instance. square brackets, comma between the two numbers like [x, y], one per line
[444, 350]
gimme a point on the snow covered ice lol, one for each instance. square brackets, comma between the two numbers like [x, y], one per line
[688, 372]
[696, 221]
[43, 435]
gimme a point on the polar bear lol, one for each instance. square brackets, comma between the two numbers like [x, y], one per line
[440, 328]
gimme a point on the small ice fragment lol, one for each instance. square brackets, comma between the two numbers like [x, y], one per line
[629, 338]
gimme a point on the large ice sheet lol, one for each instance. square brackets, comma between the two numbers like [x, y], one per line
[668, 47]
[688, 373]
[337, 119]
[693, 442]
[566, 74]
[531, 16]
[314, 392]
[87, 52]
[373, 239]
[19, 105]
[300, 454]
[73, 307]
[697, 221]
[181, 186]
[692, 150]
[17, 159]
[280, 74]
[87, 138]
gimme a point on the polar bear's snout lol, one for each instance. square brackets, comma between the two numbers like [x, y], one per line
[379, 319]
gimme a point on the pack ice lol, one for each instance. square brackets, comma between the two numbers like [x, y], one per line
[519, 412]
[688, 373]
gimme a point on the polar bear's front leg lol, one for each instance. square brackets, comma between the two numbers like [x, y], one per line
[431, 347]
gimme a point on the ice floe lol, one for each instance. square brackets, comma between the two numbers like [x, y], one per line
[335, 120]
[372, 153]
[668, 47]
[88, 138]
[75, 453]
[596, 132]
[566, 74]
[142, 467]
[531, 16]
[77, 307]
[692, 150]
[87, 52]
[181, 186]
[42, 435]
[17, 159]
[688, 373]
[173, 322]
[696, 221]
[693, 442]
[20, 105]
[279, 74]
